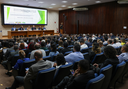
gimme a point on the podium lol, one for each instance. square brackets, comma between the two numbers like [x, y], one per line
[61, 31]
[0, 34]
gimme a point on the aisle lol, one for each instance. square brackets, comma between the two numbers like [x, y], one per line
[5, 81]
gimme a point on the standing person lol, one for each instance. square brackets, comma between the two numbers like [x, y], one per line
[31, 74]
[33, 27]
[21, 28]
[61, 28]
[13, 28]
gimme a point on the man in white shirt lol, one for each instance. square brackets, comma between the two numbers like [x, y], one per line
[117, 42]
[37, 47]
[83, 45]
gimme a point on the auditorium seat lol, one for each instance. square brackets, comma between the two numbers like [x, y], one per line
[47, 58]
[70, 46]
[26, 64]
[75, 63]
[53, 58]
[59, 49]
[47, 52]
[95, 83]
[99, 58]
[86, 56]
[107, 71]
[124, 72]
[29, 54]
[105, 44]
[66, 53]
[61, 72]
[44, 79]
[84, 50]
[117, 73]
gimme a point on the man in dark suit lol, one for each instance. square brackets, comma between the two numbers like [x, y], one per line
[21, 28]
[13, 28]
[66, 49]
[31, 74]
[79, 79]
[33, 27]
[89, 42]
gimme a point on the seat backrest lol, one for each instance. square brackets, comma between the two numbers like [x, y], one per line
[29, 54]
[95, 83]
[70, 46]
[118, 71]
[47, 58]
[75, 63]
[47, 52]
[66, 53]
[53, 58]
[14, 59]
[59, 49]
[26, 64]
[107, 71]
[62, 71]
[84, 50]
[99, 58]
[86, 56]
[44, 79]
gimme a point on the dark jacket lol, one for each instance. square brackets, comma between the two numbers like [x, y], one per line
[80, 81]
[65, 50]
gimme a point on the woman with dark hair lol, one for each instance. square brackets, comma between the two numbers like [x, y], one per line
[60, 44]
[60, 60]
[95, 50]
[110, 53]
[31, 46]
[53, 50]
[22, 46]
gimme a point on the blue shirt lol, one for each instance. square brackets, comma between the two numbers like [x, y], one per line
[33, 28]
[19, 63]
[123, 57]
[13, 29]
[51, 54]
[74, 56]
[21, 28]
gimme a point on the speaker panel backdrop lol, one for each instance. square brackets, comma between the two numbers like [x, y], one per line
[101, 18]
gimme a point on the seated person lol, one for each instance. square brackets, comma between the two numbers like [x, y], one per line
[124, 55]
[101, 46]
[31, 74]
[53, 50]
[89, 42]
[21, 28]
[77, 55]
[60, 44]
[82, 43]
[43, 46]
[28, 28]
[40, 28]
[110, 53]
[95, 50]
[13, 28]
[22, 46]
[33, 27]
[60, 60]
[37, 47]
[122, 41]
[44, 28]
[109, 42]
[79, 79]
[66, 49]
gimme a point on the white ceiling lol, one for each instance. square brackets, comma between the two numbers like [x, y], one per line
[58, 6]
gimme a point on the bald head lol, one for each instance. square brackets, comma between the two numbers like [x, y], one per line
[37, 46]
[38, 55]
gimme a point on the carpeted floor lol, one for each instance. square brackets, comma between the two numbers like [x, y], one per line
[6, 81]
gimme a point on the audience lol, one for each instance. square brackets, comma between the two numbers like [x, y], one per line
[60, 44]
[22, 46]
[124, 55]
[43, 46]
[101, 46]
[32, 72]
[89, 42]
[37, 47]
[79, 79]
[53, 50]
[122, 41]
[77, 55]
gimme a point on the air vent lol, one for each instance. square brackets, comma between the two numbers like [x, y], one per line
[80, 9]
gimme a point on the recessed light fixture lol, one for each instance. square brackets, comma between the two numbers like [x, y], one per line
[69, 6]
[40, 2]
[63, 6]
[10, 2]
[53, 4]
[74, 3]
[50, 7]
[26, 0]
[64, 1]
[98, 1]
[60, 8]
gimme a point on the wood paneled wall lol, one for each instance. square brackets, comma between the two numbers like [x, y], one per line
[101, 18]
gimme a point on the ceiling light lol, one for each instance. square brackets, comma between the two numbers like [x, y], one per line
[53, 4]
[63, 6]
[50, 7]
[64, 1]
[10, 2]
[69, 6]
[60, 8]
[25, 0]
[74, 3]
[40, 2]
[98, 1]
